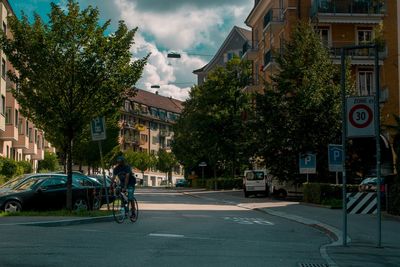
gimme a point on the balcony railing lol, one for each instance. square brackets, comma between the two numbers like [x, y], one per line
[274, 15]
[335, 50]
[348, 6]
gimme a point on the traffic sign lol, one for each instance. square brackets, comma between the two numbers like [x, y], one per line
[308, 163]
[98, 129]
[202, 164]
[335, 158]
[360, 116]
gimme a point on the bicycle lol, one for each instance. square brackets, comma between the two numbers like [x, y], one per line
[121, 207]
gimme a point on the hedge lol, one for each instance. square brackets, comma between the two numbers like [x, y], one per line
[319, 193]
[10, 168]
[222, 183]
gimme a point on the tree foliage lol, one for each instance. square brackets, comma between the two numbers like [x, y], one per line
[140, 160]
[69, 71]
[300, 110]
[50, 162]
[211, 126]
[166, 161]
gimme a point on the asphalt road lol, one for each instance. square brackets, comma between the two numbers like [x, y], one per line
[173, 230]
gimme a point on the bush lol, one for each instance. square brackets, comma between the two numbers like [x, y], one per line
[26, 166]
[224, 183]
[9, 168]
[50, 162]
[198, 183]
[319, 193]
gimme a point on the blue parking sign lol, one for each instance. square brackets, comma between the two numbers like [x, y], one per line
[308, 163]
[98, 129]
[335, 158]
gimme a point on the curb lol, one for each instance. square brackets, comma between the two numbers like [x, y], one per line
[66, 222]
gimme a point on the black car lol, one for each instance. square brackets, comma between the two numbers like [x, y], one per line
[44, 192]
[102, 193]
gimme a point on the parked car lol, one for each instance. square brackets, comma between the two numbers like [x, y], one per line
[181, 183]
[102, 192]
[44, 192]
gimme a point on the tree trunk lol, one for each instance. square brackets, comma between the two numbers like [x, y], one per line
[69, 172]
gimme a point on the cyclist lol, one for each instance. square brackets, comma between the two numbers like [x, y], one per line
[127, 181]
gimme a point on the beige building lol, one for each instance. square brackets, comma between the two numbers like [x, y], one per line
[339, 23]
[146, 125]
[19, 138]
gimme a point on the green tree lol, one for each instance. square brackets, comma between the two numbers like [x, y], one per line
[211, 126]
[166, 162]
[300, 110]
[140, 160]
[87, 152]
[69, 71]
[50, 162]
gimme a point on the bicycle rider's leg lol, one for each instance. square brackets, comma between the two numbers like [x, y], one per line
[131, 191]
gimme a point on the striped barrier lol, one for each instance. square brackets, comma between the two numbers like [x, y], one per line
[361, 203]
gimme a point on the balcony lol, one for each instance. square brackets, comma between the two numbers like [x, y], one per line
[11, 133]
[274, 19]
[249, 52]
[164, 132]
[358, 57]
[39, 155]
[32, 149]
[348, 11]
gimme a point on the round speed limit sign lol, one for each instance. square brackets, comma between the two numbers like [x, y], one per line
[360, 116]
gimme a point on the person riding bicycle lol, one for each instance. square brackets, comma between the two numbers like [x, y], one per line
[127, 181]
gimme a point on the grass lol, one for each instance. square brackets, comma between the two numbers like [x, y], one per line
[61, 213]
[333, 203]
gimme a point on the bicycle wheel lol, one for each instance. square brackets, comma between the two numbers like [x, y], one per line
[118, 209]
[134, 213]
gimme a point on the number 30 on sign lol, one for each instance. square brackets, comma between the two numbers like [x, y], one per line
[360, 116]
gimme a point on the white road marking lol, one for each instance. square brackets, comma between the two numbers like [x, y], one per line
[167, 235]
[249, 221]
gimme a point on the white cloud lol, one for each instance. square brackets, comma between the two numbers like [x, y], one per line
[182, 28]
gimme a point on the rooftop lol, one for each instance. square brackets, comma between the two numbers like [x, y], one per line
[158, 101]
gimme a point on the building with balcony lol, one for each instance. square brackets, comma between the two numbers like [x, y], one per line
[235, 43]
[339, 23]
[146, 125]
[19, 138]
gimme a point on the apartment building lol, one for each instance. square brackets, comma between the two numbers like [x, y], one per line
[232, 45]
[19, 138]
[339, 23]
[146, 125]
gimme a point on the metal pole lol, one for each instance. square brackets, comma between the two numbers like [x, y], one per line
[307, 178]
[337, 178]
[344, 130]
[378, 146]
[104, 176]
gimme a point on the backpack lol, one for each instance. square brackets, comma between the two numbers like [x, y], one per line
[132, 177]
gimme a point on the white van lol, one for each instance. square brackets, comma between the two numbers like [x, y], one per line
[256, 182]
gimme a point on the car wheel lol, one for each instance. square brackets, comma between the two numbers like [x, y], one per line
[96, 203]
[80, 204]
[12, 206]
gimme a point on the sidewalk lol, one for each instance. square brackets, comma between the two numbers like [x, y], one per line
[51, 221]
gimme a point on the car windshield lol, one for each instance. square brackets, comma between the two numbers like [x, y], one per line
[255, 176]
[28, 184]
[12, 183]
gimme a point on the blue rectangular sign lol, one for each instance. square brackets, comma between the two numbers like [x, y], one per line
[335, 158]
[308, 163]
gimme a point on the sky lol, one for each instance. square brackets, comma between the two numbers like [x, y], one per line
[194, 28]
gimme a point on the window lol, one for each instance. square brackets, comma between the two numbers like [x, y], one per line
[154, 140]
[3, 68]
[324, 34]
[3, 104]
[36, 136]
[364, 36]
[143, 137]
[16, 119]
[8, 115]
[26, 128]
[366, 82]
[20, 126]
[30, 135]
